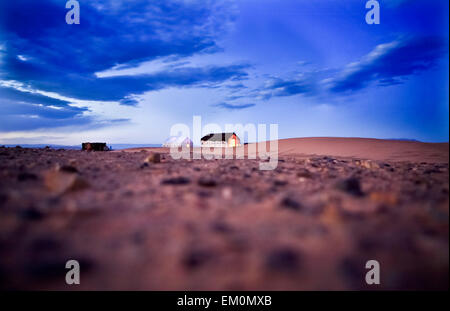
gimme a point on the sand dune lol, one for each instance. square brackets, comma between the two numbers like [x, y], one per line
[366, 148]
[373, 149]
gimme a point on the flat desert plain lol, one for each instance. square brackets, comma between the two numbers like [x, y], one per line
[331, 205]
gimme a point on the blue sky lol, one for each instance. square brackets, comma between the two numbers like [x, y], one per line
[132, 69]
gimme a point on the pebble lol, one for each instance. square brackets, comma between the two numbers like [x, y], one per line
[176, 181]
[290, 203]
[369, 164]
[68, 169]
[207, 182]
[62, 181]
[196, 258]
[304, 173]
[280, 182]
[351, 186]
[153, 158]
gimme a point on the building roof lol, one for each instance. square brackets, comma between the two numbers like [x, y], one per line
[218, 137]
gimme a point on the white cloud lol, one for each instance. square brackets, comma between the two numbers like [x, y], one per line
[22, 58]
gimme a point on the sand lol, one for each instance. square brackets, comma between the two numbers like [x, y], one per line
[331, 205]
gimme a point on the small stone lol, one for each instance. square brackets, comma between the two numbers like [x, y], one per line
[68, 169]
[290, 203]
[280, 183]
[304, 173]
[207, 182]
[144, 165]
[153, 158]
[369, 164]
[176, 181]
[63, 181]
[196, 258]
[351, 186]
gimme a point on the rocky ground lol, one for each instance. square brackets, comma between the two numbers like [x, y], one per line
[311, 224]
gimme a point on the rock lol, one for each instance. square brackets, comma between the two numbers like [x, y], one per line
[176, 181]
[350, 185]
[290, 203]
[144, 165]
[68, 169]
[304, 173]
[153, 158]
[207, 182]
[61, 181]
[283, 260]
[369, 164]
[280, 183]
[196, 258]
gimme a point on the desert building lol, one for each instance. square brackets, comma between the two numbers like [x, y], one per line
[94, 147]
[221, 140]
[178, 141]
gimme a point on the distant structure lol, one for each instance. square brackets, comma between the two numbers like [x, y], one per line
[178, 141]
[94, 147]
[221, 140]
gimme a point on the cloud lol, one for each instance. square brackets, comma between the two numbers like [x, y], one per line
[38, 47]
[286, 87]
[28, 111]
[234, 106]
[389, 63]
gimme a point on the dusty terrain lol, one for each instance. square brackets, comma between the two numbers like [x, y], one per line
[330, 206]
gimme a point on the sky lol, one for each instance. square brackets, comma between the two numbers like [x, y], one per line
[130, 70]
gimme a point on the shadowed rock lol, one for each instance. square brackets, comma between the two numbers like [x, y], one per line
[176, 181]
[153, 158]
[207, 182]
[351, 186]
[291, 204]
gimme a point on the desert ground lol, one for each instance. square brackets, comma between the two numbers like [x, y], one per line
[138, 221]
